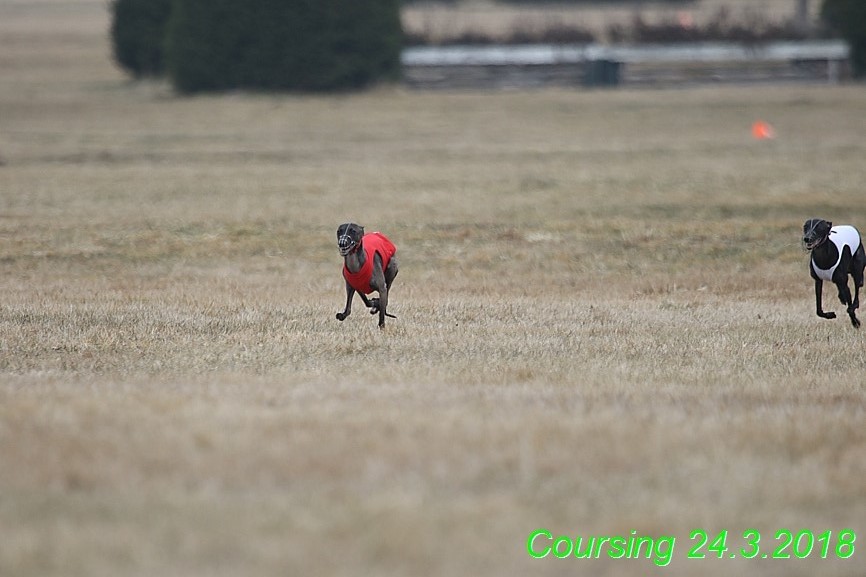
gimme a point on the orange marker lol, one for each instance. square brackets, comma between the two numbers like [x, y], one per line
[762, 131]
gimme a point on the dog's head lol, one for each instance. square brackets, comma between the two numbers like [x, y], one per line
[349, 237]
[815, 231]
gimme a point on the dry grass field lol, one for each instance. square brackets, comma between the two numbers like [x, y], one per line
[605, 324]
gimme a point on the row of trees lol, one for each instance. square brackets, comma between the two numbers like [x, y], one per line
[304, 45]
[309, 45]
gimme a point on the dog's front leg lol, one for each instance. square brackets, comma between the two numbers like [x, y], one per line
[819, 309]
[350, 292]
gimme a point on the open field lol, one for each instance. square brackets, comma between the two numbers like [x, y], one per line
[605, 324]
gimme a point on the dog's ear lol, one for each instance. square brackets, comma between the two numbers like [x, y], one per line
[362, 229]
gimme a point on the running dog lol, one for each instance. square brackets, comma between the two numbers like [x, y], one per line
[369, 264]
[836, 252]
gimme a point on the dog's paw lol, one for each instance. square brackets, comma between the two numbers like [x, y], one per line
[855, 322]
[830, 315]
[341, 316]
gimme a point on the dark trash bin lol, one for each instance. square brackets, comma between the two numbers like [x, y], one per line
[602, 73]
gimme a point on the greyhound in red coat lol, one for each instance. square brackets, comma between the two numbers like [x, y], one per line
[369, 264]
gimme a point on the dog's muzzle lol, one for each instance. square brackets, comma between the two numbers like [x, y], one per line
[811, 236]
[347, 245]
[810, 243]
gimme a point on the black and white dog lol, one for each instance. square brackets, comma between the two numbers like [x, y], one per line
[836, 252]
[369, 264]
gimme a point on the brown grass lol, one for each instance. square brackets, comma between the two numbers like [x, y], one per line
[605, 323]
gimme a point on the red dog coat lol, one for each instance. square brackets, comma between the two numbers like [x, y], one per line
[374, 242]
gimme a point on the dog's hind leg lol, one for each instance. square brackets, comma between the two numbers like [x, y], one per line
[845, 297]
[855, 322]
[857, 285]
[853, 304]
[857, 266]
[391, 272]
[381, 282]
[858, 263]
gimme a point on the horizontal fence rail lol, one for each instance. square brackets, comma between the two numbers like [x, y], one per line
[601, 65]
